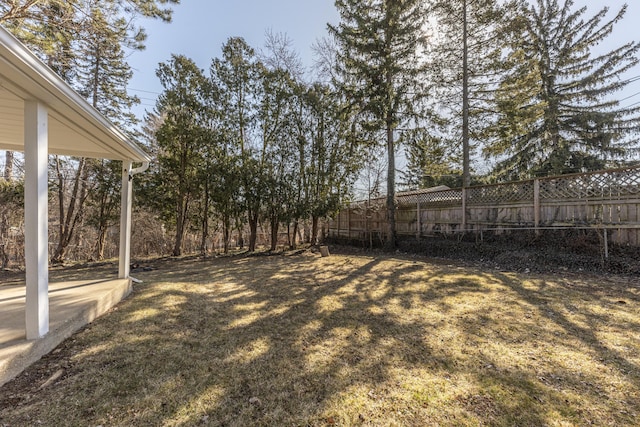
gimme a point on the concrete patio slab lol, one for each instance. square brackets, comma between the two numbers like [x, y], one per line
[71, 306]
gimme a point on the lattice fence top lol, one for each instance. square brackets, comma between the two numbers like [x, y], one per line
[501, 193]
[601, 185]
[440, 197]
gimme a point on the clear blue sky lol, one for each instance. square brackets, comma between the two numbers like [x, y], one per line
[200, 27]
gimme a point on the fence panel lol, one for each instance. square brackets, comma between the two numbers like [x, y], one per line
[598, 200]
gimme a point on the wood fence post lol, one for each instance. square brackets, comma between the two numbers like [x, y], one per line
[368, 224]
[349, 222]
[464, 210]
[418, 221]
[536, 205]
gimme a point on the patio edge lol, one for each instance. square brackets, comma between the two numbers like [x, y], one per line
[27, 352]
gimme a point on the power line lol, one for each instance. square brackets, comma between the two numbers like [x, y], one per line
[632, 105]
[145, 91]
[630, 96]
[632, 79]
[146, 99]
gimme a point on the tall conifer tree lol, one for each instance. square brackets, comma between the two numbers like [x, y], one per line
[379, 42]
[180, 140]
[237, 75]
[558, 111]
[465, 68]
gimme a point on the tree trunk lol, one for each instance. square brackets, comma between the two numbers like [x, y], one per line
[391, 189]
[205, 221]
[4, 237]
[101, 242]
[274, 232]
[466, 169]
[102, 228]
[226, 232]
[181, 222]
[314, 230]
[240, 239]
[72, 216]
[292, 243]
[177, 247]
[8, 166]
[253, 232]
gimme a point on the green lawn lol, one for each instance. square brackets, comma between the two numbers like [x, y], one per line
[346, 340]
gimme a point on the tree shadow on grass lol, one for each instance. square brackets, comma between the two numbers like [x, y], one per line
[310, 341]
[611, 314]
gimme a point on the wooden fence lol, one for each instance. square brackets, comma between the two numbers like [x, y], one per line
[608, 201]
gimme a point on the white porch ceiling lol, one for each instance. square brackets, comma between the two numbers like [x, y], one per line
[75, 127]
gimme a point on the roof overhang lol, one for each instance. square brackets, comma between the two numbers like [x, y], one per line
[75, 127]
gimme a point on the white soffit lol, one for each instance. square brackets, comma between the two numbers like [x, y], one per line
[75, 127]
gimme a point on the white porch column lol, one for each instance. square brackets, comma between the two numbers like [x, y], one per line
[35, 212]
[126, 199]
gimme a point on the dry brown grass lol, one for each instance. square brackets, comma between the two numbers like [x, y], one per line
[345, 340]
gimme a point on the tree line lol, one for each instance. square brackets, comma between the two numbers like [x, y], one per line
[473, 91]
[245, 143]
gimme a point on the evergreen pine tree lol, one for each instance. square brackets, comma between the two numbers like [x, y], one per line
[430, 163]
[103, 73]
[180, 138]
[238, 77]
[558, 113]
[466, 66]
[379, 45]
[102, 78]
